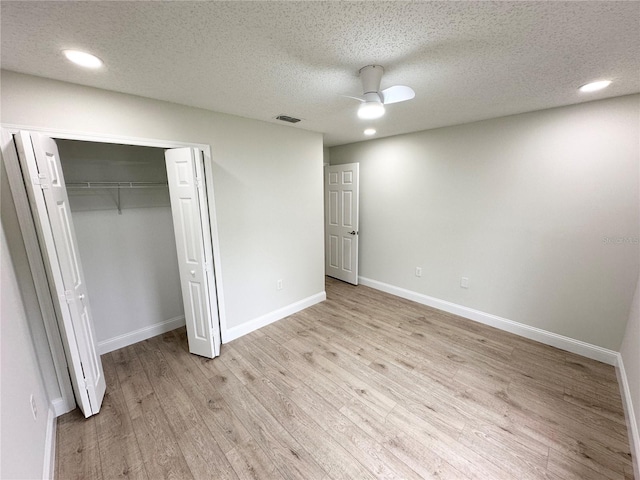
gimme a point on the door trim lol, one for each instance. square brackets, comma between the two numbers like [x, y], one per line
[33, 249]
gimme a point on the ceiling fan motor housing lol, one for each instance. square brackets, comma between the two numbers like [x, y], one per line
[371, 75]
[373, 97]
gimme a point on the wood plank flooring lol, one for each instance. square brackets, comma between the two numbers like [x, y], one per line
[365, 385]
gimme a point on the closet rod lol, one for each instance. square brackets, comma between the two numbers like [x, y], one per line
[116, 185]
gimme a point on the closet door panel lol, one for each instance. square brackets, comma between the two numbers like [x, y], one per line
[199, 316]
[193, 244]
[189, 232]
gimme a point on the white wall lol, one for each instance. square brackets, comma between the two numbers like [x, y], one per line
[131, 269]
[267, 180]
[326, 153]
[23, 439]
[521, 206]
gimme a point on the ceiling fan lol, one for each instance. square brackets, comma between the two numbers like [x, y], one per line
[373, 99]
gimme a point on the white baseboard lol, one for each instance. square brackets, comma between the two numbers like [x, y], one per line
[49, 465]
[264, 320]
[139, 335]
[630, 416]
[60, 406]
[543, 336]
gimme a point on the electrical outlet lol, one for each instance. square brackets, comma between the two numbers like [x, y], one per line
[279, 285]
[464, 282]
[34, 407]
[418, 271]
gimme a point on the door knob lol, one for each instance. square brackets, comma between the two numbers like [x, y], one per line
[193, 273]
[353, 232]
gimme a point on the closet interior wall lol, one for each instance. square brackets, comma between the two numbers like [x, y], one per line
[125, 237]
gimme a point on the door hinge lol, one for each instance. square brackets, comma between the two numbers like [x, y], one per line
[198, 183]
[67, 296]
[40, 181]
[84, 377]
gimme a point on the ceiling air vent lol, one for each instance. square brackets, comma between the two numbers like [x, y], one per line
[287, 118]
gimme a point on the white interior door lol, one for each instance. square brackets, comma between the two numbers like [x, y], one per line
[45, 185]
[187, 189]
[341, 221]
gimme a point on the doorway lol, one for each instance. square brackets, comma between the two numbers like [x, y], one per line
[121, 212]
[341, 192]
[33, 161]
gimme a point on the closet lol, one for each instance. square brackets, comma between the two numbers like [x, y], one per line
[120, 243]
[121, 211]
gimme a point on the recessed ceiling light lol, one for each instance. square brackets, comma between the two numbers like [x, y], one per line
[370, 131]
[370, 110]
[83, 59]
[594, 86]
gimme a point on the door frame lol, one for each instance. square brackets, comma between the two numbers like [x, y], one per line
[34, 255]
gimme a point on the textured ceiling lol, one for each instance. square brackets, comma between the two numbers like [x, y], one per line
[466, 61]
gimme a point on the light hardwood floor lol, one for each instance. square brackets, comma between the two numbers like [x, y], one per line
[365, 385]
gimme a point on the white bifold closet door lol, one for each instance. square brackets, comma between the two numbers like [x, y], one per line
[45, 186]
[187, 189]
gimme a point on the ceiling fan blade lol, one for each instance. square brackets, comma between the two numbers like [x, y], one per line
[397, 93]
[360, 99]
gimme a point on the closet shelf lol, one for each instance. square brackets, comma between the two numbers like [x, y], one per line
[78, 185]
[118, 186]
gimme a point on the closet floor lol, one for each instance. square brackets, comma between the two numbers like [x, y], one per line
[365, 385]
